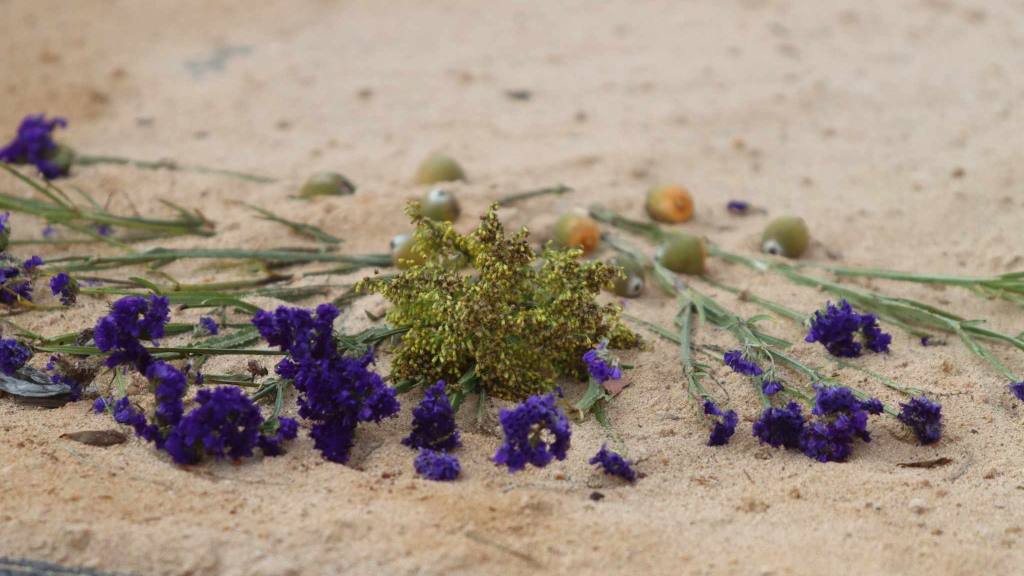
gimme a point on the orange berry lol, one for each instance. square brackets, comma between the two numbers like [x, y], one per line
[670, 203]
[577, 231]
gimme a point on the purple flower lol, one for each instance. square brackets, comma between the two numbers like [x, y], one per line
[780, 426]
[738, 207]
[13, 355]
[49, 231]
[335, 392]
[437, 465]
[169, 391]
[924, 417]
[210, 325]
[287, 429]
[841, 419]
[34, 145]
[15, 286]
[66, 287]
[131, 319]
[613, 464]
[601, 364]
[874, 338]
[741, 365]
[125, 413]
[32, 263]
[536, 432]
[827, 442]
[771, 387]
[725, 424]
[225, 424]
[99, 405]
[104, 230]
[433, 422]
[836, 327]
[1018, 389]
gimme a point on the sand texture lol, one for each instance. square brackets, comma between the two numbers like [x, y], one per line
[895, 129]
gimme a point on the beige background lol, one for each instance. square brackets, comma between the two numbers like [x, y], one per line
[894, 128]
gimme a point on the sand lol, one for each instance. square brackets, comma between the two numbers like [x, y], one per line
[893, 128]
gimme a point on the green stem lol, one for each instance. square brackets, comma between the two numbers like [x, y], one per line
[520, 196]
[90, 160]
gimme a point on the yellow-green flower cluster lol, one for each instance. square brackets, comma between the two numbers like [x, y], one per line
[486, 303]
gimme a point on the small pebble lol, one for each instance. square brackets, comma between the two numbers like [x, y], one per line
[918, 506]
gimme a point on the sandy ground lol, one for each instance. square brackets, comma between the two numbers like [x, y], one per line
[894, 128]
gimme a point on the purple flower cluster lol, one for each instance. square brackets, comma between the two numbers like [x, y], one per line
[66, 287]
[131, 320]
[613, 464]
[226, 424]
[725, 424]
[433, 422]
[741, 365]
[34, 144]
[209, 325]
[536, 432]
[601, 365]
[1017, 388]
[924, 418]
[780, 426]
[836, 327]
[841, 419]
[13, 355]
[275, 433]
[437, 465]
[335, 392]
[771, 387]
[16, 281]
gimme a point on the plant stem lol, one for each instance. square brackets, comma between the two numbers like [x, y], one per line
[520, 196]
[90, 160]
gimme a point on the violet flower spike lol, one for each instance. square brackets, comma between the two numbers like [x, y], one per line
[536, 432]
[601, 364]
[13, 355]
[725, 424]
[1017, 388]
[613, 464]
[433, 422]
[33, 144]
[924, 418]
[437, 465]
[739, 364]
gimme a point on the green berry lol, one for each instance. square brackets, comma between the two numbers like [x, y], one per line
[439, 168]
[440, 205]
[327, 184]
[682, 253]
[402, 254]
[786, 236]
[631, 283]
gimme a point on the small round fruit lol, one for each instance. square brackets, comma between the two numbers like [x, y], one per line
[326, 184]
[440, 205]
[402, 254]
[786, 236]
[63, 157]
[669, 203]
[439, 168]
[631, 283]
[683, 253]
[577, 231]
